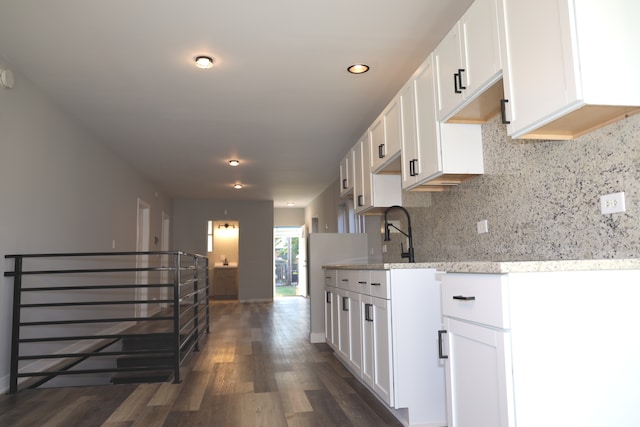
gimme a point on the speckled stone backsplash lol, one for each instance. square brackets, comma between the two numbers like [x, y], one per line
[540, 198]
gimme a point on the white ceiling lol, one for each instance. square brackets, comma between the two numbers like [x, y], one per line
[278, 97]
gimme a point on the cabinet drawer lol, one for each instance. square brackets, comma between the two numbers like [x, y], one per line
[348, 280]
[380, 284]
[363, 280]
[330, 277]
[480, 298]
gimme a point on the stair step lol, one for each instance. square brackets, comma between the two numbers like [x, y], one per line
[162, 341]
[141, 377]
[144, 360]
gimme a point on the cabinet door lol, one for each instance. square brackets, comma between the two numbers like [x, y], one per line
[362, 184]
[382, 358]
[328, 315]
[480, 43]
[377, 148]
[429, 162]
[410, 148]
[479, 379]
[343, 328]
[366, 327]
[385, 137]
[536, 83]
[355, 335]
[346, 174]
[448, 63]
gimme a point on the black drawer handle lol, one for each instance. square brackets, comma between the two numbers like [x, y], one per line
[344, 184]
[440, 354]
[345, 303]
[463, 298]
[375, 284]
[362, 283]
[328, 297]
[345, 280]
[381, 150]
[360, 200]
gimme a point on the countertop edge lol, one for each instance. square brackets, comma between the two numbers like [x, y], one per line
[497, 267]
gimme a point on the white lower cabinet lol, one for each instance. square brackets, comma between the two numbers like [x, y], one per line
[551, 349]
[476, 375]
[392, 317]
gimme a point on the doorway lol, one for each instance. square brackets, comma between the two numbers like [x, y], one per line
[289, 277]
[223, 252]
[142, 261]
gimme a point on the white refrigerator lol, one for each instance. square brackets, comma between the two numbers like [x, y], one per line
[323, 249]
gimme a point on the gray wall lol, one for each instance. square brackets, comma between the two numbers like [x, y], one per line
[61, 190]
[255, 264]
[541, 200]
[288, 217]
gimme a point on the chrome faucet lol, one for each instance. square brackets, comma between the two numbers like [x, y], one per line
[408, 234]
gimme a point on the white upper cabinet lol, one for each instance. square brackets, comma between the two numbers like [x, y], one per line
[372, 192]
[573, 65]
[347, 174]
[385, 140]
[435, 155]
[469, 66]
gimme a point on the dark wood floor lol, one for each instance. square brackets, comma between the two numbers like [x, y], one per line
[256, 368]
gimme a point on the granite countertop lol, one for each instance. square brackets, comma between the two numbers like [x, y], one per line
[504, 266]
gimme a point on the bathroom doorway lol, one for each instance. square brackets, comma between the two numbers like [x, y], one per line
[223, 252]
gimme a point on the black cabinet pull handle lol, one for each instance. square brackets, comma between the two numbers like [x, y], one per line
[367, 316]
[460, 71]
[463, 298]
[345, 303]
[381, 151]
[375, 284]
[328, 297]
[440, 354]
[455, 83]
[345, 280]
[412, 167]
[363, 283]
[344, 184]
[503, 111]
[360, 202]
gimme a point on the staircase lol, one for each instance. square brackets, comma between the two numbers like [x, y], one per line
[157, 366]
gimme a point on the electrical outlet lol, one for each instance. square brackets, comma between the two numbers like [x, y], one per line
[612, 203]
[483, 226]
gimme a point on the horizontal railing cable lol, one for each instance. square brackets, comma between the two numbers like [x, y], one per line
[78, 285]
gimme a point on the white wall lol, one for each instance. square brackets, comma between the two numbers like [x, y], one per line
[61, 190]
[255, 220]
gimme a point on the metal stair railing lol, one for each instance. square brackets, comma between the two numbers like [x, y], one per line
[70, 307]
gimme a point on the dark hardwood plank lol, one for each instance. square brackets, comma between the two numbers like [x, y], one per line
[255, 368]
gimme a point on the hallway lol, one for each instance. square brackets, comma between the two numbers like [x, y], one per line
[256, 368]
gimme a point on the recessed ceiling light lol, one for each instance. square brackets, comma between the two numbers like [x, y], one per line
[237, 186]
[203, 61]
[234, 162]
[358, 68]
[291, 203]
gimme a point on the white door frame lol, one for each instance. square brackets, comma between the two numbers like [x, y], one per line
[164, 247]
[142, 261]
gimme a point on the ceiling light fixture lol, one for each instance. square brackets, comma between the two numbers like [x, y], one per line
[358, 68]
[237, 186]
[291, 203]
[203, 61]
[234, 162]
